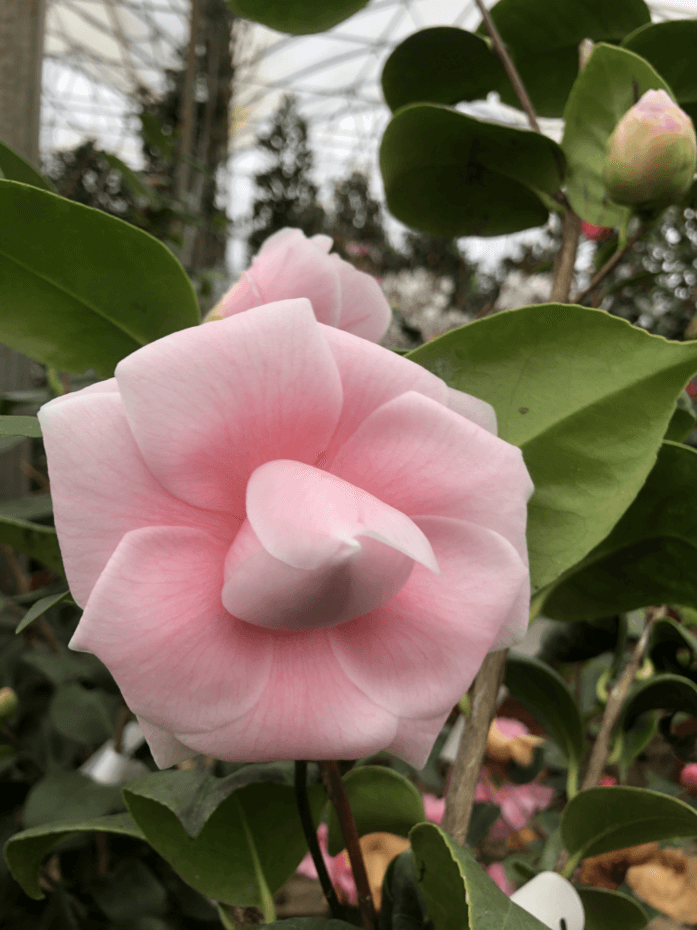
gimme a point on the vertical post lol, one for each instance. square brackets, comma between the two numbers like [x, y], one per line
[21, 53]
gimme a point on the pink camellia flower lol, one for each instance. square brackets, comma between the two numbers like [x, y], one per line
[497, 872]
[288, 541]
[291, 265]
[517, 802]
[688, 775]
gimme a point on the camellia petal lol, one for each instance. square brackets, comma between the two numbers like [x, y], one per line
[365, 311]
[206, 411]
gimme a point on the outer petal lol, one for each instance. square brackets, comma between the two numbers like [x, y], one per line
[365, 311]
[155, 619]
[267, 387]
[414, 739]
[437, 630]
[474, 409]
[99, 387]
[422, 458]
[371, 376]
[102, 488]
[166, 749]
[308, 710]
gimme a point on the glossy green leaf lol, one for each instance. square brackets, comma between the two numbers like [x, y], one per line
[611, 910]
[586, 396]
[28, 507]
[441, 65]
[382, 801]
[454, 175]
[546, 695]
[85, 715]
[20, 426]
[133, 181]
[15, 168]
[402, 905]
[39, 542]
[681, 425]
[632, 741]
[667, 640]
[129, 891]
[650, 555]
[245, 849]
[39, 608]
[69, 797]
[25, 851]
[298, 17]
[611, 83]
[81, 289]
[669, 48]
[67, 665]
[543, 36]
[600, 820]
[662, 692]
[308, 923]
[457, 891]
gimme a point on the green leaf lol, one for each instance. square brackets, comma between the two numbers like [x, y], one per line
[666, 640]
[669, 47]
[29, 507]
[39, 542]
[453, 175]
[600, 820]
[66, 665]
[632, 741]
[484, 816]
[681, 425]
[20, 426]
[609, 910]
[402, 905]
[69, 797]
[544, 36]
[611, 83]
[649, 556]
[131, 890]
[662, 692]
[81, 289]
[246, 848]
[39, 608]
[382, 801]
[298, 17]
[441, 65]
[25, 851]
[85, 715]
[546, 695]
[457, 891]
[586, 396]
[15, 168]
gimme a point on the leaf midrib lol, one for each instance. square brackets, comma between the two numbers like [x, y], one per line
[80, 300]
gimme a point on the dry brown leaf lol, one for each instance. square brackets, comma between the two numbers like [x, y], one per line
[609, 869]
[668, 882]
[379, 849]
[503, 748]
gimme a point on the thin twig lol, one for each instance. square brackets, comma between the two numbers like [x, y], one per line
[613, 708]
[513, 76]
[610, 265]
[303, 805]
[566, 258]
[331, 778]
[472, 748]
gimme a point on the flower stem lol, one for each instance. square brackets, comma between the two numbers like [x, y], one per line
[470, 753]
[331, 778]
[609, 265]
[303, 803]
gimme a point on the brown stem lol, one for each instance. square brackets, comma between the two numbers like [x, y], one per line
[566, 258]
[123, 716]
[472, 748]
[331, 778]
[615, 701]
[609, 265]
[186, 110]
[613, 708]
[509, 67]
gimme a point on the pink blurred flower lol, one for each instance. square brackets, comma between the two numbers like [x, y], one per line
[498, 873]
[607, 781]
[434, 807]
[290, 265]
[275, 528]
[517, 802]
[692, 389]
[591, 231]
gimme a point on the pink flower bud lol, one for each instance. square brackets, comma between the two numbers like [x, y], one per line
[593, 232]
[650, 156]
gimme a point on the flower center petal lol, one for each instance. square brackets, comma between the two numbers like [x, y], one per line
[316, 551]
